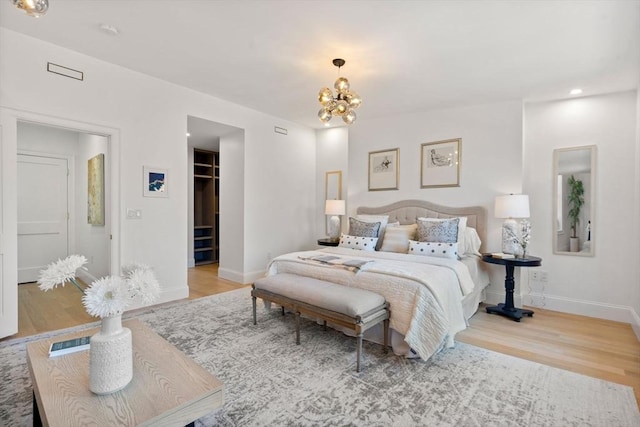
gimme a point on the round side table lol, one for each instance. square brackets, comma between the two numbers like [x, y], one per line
[508, 309]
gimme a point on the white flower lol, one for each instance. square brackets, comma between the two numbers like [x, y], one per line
[143, 284]
[130, 268]
[106, 297]
[61, 271]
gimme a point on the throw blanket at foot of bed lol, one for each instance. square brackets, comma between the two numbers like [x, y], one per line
[355, 309]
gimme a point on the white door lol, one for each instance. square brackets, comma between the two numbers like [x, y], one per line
[42, 213]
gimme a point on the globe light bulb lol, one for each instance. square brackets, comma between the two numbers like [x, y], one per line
[325, 96]
[340, 108]
[354, 100]
[324, 115]
[342, 84]
[349, 117]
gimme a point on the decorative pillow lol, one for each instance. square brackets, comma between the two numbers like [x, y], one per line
[363, 228]
[462, 225]
[438, 230]
[382, 219]
[435, 249]
[470, 242]
[396, 238]
[356, 242]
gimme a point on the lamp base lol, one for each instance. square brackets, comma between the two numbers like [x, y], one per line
[510, 238]
[334, 228]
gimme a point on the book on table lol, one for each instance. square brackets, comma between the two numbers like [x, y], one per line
[69, 346]
[502, 255]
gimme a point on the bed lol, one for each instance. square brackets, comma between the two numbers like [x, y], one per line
[431, 297]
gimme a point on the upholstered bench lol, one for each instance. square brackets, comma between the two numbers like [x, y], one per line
[353, 308]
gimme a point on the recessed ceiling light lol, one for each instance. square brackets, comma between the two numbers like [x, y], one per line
[109, 29]
[188, 134]
[327, 125]
[575, 91]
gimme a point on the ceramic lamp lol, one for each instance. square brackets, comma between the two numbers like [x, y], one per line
[334, 208]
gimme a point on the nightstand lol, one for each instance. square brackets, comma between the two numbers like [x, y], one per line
[508, 309]
[328, 242]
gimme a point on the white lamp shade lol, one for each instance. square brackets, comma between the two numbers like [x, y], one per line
[334, 207]
[512, 206]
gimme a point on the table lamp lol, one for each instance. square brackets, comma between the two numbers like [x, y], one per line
[334, 208]
[511, 206]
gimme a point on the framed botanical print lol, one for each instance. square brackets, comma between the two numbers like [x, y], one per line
[440, 164]
[384, 169]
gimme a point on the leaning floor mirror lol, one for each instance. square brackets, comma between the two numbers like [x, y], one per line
[574, 177]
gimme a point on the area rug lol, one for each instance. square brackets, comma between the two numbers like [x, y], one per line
[270, 381]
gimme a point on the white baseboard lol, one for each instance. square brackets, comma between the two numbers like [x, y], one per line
[238, 277]
[191, 263]
[617, 313]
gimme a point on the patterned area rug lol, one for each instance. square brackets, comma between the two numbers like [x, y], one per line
[269, 381]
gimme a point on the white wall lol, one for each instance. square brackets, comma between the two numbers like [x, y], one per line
[232, 236]
[332, 153]
[149, 116]
[92, 241]
[604, 285]
[491, 163]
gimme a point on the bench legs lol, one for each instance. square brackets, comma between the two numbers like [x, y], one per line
[358, 352]
[254, 310]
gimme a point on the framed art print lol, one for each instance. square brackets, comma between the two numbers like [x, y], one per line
[383, 169]
[95, 191]
[155, 182]
[440, 164]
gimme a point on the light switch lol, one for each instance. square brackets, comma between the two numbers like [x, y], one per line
[134, 213]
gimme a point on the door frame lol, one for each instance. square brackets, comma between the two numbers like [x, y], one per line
[9, 119]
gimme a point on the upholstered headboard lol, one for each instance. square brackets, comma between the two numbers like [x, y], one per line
[407, 212]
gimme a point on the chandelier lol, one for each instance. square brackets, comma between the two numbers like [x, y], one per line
[343, 103]
[35, 8]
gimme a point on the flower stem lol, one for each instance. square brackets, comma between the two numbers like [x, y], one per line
[76, 284]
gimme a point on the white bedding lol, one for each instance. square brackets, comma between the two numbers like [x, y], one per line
[425, 293]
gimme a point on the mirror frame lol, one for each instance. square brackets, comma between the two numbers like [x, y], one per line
[592, 185]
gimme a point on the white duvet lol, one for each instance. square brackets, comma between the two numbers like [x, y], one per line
[425, 293]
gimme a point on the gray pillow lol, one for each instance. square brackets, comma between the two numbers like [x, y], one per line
[438, 230]
[363, 229]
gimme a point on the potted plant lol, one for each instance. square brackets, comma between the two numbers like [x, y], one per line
[576, 201]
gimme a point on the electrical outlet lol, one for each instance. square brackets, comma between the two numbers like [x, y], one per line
[535, 276]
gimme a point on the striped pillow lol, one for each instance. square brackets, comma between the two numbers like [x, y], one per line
[396, 238]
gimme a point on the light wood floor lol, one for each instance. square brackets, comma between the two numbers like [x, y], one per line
[594, 347]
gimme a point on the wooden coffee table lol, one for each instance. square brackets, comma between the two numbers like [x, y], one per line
[167, 388]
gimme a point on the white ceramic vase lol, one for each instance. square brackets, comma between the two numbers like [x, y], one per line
[110, 357]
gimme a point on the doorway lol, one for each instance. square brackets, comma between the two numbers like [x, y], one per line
[53, 199]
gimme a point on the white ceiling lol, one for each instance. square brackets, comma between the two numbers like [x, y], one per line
[402, 56]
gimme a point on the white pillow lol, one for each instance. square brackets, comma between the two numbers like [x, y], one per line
[396, 238]
[470, 243]
[367, 244]
[434, 249]
[382, 219]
